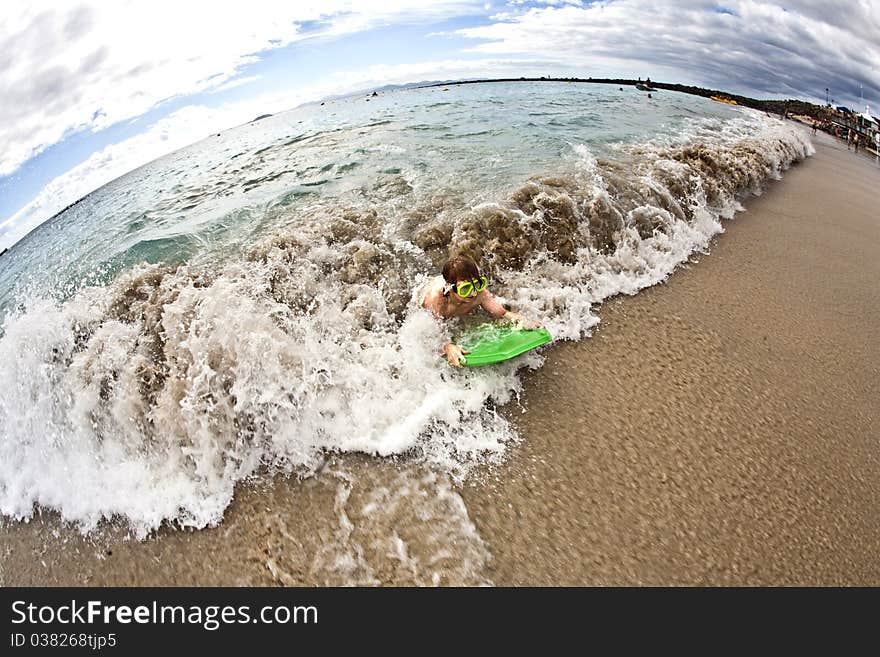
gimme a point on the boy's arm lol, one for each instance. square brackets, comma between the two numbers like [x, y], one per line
[491, 305]
[452, 352]
[497, 310]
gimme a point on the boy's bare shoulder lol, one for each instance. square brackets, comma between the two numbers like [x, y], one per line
[431, 292]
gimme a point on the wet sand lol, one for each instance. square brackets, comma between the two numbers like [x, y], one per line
[722, 428]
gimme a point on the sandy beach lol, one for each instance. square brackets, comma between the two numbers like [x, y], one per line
[720, 429]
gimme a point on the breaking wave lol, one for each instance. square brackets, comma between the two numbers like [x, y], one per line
[151, 397]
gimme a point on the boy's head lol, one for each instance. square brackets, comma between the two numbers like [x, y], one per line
[460, 268]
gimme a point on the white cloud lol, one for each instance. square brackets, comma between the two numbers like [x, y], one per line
[237, 82]
[66, 68]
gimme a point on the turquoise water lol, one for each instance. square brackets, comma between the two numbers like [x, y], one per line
[245, 306]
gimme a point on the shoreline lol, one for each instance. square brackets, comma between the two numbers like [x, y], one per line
[728, 431]
[717, 429]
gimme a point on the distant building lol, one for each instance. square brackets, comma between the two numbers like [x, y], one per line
[868, 125]
[865, 124]
[867, 118]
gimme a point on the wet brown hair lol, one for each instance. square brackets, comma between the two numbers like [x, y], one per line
[460, 268]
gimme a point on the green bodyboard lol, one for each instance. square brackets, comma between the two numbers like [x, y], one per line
[492, 343]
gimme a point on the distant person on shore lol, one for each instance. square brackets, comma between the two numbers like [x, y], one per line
[460, 290]
[815, 124]
[647, 82]
[856, 142]
[848, 138]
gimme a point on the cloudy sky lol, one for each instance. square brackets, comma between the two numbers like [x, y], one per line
[90, 90]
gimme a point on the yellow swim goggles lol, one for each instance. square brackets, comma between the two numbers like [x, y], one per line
[464, 289]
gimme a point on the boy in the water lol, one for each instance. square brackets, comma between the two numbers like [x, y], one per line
[457, 292]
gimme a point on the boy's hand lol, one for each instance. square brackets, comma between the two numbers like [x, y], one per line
[454, 354]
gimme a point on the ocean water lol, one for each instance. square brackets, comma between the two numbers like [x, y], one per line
[245, 306]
